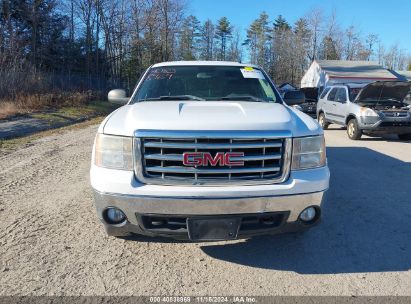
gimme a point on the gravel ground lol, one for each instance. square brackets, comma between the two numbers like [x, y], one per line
[51, 242]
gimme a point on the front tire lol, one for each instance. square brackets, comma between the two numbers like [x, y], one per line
[323, 123]
[353, 131]
[406, 137]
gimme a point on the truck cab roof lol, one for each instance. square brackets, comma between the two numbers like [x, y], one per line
[203, 63]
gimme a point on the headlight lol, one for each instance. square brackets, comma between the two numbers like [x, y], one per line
[114, 152]
[368, 112]
[308, 152]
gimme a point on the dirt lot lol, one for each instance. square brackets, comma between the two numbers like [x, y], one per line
[51, 242]
[52, 118]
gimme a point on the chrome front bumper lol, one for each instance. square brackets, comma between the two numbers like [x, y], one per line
[134, 206]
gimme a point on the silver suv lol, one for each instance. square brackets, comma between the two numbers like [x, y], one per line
[378, 108]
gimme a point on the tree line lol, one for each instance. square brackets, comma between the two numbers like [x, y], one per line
[48, 45]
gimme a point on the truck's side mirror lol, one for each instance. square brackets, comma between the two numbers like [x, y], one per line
[294, 97]
[118, 96]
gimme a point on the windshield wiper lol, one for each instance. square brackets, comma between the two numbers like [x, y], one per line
[174, 97]
[243, 97]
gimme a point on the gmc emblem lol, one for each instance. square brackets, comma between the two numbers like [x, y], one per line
[206, 159]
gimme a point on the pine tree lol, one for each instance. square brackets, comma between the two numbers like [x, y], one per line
[223, 33]
[258, 37]
[328, 49]
[207, 33]
[189, 38]
[281, 24]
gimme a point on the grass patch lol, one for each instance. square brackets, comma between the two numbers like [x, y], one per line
[26, 104]
[93, 108]
[51, 118]
[68, 114]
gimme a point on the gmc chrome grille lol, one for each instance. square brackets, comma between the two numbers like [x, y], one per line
[159, 157]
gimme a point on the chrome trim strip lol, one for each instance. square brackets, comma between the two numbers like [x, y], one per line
[179, 157]
[172, 157]
[211, 146]
[212, 171]
[250, 134]
[257, 157]
[200, 198]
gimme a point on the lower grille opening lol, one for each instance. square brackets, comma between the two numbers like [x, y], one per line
[250, 223]
[261, 222]
[164, 223]
[395, 124]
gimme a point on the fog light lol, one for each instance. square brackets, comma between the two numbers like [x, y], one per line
[308, 214]
[114, 216]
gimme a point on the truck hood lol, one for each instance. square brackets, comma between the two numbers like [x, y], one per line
[208, 115]
[380, 90]
[311, 94]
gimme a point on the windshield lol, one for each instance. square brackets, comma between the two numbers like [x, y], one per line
[206, 83]
[354, 92]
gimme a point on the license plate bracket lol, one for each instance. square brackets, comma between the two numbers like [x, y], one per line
[213, 229]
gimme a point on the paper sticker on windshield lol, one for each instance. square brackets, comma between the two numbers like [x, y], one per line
[249, 72]
[161, 73]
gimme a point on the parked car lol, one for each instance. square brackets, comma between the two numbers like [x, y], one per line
[294, 92]
[378, 108]
[311, 98]
[208, 151]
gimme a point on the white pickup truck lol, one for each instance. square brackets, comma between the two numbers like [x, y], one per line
[208, 151]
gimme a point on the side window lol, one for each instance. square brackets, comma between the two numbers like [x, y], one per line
[326, 90]
[341, 95]
[331, 96]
